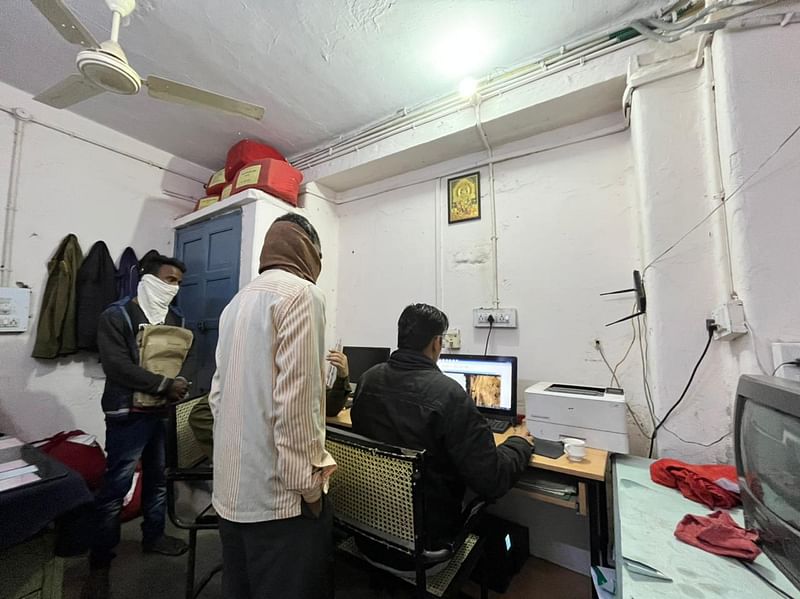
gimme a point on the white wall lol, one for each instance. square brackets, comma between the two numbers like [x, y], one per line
[567, 232]
[758, 108]
[70, 186]
[673, 154]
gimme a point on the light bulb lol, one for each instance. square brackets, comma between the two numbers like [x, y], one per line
[461, 51]
[467, 87]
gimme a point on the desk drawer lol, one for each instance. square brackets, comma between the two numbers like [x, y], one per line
[555, 489]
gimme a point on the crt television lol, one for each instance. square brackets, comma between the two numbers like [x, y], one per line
[491, 382]
[361, 359]
[767, 445]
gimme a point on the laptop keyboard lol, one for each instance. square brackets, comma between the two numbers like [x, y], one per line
[498, 426]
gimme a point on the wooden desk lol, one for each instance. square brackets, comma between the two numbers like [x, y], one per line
[590, 476]
[594, 467]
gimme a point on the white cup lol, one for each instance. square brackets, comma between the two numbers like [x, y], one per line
[575, 449]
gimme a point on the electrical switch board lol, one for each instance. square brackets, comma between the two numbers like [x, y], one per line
[15, 306]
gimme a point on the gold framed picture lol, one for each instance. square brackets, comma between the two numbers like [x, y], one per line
[464, 198]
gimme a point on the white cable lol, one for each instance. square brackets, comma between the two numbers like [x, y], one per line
[715, 172]
[752, 335]
[6, 258]
[492, 203]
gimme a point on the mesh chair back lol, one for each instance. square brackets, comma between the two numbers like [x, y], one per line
[185, 450]
[373, 487]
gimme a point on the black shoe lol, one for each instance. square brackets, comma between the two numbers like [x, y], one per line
[96, 586]
[166, 545]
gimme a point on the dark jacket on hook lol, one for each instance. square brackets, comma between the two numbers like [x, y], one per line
[128, 274]
[55, 331]
[96, 290]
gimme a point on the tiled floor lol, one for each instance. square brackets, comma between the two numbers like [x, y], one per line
[136, 576]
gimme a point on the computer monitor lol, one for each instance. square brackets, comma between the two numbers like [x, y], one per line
[491, 382]
[767, 446]
[361, 359]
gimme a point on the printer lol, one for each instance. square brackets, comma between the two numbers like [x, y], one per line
[556, 411]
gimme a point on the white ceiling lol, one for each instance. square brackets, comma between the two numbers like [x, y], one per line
[320, 67]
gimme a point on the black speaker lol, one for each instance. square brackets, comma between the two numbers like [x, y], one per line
[506, 549]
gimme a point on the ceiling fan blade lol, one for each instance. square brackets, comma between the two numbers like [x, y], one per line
[172, 91]
[67, 24]
[70, 91]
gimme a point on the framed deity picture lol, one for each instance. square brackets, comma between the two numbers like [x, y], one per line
[464, 198]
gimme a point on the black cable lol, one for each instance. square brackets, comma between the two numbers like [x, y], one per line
[491, 326]
[792, 362]
[720, 440]
[683, 394]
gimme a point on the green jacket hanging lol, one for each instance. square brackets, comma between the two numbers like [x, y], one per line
[55, 332]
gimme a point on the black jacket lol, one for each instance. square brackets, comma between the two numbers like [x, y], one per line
[409, 402]
[96, 289]
[119, 355]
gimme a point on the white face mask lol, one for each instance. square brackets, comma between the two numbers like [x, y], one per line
[155, 296]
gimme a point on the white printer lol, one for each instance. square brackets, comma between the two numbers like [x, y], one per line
[595, 414]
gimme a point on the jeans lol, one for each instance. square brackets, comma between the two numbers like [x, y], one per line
[128, 440]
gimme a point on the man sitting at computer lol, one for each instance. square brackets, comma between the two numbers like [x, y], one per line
[408, 402]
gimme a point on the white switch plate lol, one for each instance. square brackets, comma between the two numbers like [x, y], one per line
[785, 352]
[504, 318]
[15, 306]
[452, 339]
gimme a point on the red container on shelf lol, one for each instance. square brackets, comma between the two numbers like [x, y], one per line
[275, 177]
[246, 152]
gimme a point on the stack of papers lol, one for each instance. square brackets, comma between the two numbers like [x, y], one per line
[16, 473]
[548, 487]
[9, 442]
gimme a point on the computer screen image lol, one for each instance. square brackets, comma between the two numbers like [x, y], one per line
[767, 447]
[361, 359]
[491, 381]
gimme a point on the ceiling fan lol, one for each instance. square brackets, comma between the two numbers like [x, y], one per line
[104, 67]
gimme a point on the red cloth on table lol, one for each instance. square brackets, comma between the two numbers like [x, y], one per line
[698, 482]
[719, 534]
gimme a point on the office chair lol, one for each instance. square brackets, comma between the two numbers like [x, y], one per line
[185, 463]
[378, 494]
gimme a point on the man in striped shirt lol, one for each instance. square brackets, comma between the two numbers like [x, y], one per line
[268, 401]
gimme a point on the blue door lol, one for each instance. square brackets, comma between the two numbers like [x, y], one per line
[211, 250]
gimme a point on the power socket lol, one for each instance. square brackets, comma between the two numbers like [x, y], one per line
[729, 318]
[504, 318]
[786, 352]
